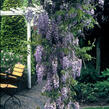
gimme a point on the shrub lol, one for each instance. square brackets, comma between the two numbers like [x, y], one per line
[102, 89]
[88, 74]
[105, 74]
[8, 60]
[85, 92]
[92, 92]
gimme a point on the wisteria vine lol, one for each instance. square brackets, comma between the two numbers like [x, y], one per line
[70, 63]
[56, 56]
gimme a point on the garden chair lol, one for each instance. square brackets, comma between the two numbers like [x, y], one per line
[10, 83]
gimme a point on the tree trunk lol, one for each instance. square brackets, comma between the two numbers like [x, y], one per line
[98, 55]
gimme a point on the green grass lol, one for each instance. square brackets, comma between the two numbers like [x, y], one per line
[97, 108]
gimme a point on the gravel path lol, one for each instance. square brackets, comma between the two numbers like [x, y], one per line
[30, 99]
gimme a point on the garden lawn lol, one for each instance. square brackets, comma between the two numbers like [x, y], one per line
[97, 108]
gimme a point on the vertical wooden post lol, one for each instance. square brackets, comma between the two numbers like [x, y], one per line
[98, 55]
[29, 54]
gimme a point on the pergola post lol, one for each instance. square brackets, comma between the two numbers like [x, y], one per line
[29, 54]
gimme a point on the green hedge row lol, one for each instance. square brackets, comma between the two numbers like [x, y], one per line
[13, 29]
[90, 92]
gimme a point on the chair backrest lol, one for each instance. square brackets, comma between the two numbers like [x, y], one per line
[18, 70]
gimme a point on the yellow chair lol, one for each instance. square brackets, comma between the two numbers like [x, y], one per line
[11, 82]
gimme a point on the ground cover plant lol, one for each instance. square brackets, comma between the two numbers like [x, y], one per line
[93, 93]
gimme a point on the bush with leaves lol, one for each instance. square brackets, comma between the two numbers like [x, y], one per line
[89, 73]
[8, 60]
[85, 92]
[102, 89]
[105, 74]
[89, 92]
[13, 29]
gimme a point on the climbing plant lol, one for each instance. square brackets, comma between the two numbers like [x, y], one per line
[57, 54]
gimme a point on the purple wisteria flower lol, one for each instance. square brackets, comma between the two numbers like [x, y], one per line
[56, 81]
[76, 67]
[70, 63]
[54, 66]
[69, 105]
[35, 20]
[73, 75]
[40, 72]
[59, 103]
[53, 34]
[66, 62]
[79, 65]
[76, 42]
[49, 105]
[59, 18]
[64, 77]
[48, 86]
[101, 2]
[43, 23]
[38, 53]
[54, 30]
[48, 34]
[29, 15]
[64, 92]
[74, 64]
[68, 39]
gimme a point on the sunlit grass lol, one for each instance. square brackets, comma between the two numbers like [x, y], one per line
[97, 108]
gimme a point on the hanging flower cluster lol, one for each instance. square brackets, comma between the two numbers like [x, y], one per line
[38, 54]
[29, 15]
[55, 55]
[39, 67]
[43, 23]
[48, 29]
[49, 105]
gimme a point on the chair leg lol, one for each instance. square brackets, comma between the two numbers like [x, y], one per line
[13, 100]
[6, 102]
[18, 100]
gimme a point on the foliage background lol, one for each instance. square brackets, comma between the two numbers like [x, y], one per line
[13, 44]
[13, 29]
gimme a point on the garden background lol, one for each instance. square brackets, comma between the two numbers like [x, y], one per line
[90, 27]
